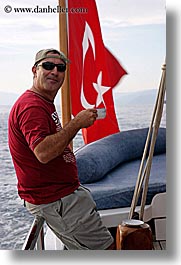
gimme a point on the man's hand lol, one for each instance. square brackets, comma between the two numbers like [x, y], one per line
[86, 118]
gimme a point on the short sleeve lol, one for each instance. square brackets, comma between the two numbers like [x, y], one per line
[35, 125]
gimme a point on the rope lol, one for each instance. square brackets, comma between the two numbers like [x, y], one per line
[144, 172]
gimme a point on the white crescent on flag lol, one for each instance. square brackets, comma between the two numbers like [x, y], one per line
[88, 39]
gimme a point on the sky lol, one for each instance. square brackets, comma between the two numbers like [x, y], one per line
[133, 30]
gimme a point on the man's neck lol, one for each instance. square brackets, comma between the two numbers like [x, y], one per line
[43, 95]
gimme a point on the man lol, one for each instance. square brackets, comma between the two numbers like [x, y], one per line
[45, 165]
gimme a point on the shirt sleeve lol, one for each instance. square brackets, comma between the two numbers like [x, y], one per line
[35, 125]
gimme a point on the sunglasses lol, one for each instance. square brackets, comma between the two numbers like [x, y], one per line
[50, 66]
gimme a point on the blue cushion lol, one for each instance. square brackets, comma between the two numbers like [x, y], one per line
[95, 160]
[116, 189]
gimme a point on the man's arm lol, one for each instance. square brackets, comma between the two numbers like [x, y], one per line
[54, 145]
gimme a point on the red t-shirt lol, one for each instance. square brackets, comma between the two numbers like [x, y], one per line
[31, 119]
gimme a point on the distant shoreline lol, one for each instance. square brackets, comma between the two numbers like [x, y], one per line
[123, 98]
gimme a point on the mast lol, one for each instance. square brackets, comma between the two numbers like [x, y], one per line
[63, 43]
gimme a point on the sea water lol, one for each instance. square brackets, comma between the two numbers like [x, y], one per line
[15, 221]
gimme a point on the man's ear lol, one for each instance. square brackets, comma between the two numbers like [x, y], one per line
[34, 70]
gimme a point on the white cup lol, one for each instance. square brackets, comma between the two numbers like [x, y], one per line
[101, 113]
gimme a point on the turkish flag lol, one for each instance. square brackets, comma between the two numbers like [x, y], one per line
[94, 71]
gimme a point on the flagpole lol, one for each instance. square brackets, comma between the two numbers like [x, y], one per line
[63, 43]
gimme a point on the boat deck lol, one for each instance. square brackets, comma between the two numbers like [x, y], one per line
[41, 237]
[36, 240]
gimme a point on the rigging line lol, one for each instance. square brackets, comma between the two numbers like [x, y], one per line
[141, 173]
[141, 178]
[154, 137]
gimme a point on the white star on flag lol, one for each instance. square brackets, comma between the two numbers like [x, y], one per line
[100, 90]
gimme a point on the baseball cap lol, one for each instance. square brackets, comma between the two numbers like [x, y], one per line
[43, 54]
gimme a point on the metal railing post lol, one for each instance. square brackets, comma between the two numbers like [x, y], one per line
[35, 235]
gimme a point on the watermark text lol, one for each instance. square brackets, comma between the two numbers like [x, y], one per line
[47, 9]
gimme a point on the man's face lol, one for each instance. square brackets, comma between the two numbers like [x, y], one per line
[48, 82]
